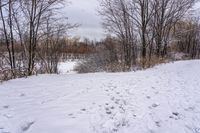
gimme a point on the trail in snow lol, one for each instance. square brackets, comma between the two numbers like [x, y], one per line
[162, 99]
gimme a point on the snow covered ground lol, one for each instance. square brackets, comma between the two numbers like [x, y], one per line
[67, 66]
[164, 99]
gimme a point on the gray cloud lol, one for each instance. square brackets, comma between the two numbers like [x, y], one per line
[84, 12]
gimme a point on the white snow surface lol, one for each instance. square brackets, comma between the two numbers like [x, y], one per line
[67, 66]
[163, 99]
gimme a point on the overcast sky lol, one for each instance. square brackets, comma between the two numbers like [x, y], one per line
[85, 13]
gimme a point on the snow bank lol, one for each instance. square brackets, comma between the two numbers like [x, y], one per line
[164, 99]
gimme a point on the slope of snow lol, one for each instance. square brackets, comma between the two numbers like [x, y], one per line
[164, 99]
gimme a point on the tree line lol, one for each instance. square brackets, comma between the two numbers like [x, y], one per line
[28, 26]
[148, 29]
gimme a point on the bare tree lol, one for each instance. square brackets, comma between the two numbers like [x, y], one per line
[11, 33]
[35, 11]
[6, 9]
[53, 42]
[187, 35]
[167, 14]
[23, 31]
[142, 12]
[117, 20]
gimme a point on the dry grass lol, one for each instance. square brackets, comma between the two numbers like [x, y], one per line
[148, 63]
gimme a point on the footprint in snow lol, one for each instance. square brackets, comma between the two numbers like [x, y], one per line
[175, 113]
[112, 107]
[153, 88]
[108, 111]
[83, 109]
[71, 115]
[117, 93]
[134, 115]
[158, 123]
[106, 104]
[6, 106]
[175, 116]
[27, 126]
[153, 106]
[148, 97]
[22, 95]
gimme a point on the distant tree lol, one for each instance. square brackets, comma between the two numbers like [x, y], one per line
[187, 36]
[53, 41]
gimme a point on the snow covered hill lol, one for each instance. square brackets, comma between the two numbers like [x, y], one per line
[164, 99]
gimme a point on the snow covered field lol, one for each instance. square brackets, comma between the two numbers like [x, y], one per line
[67, 66]
[164, 99]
